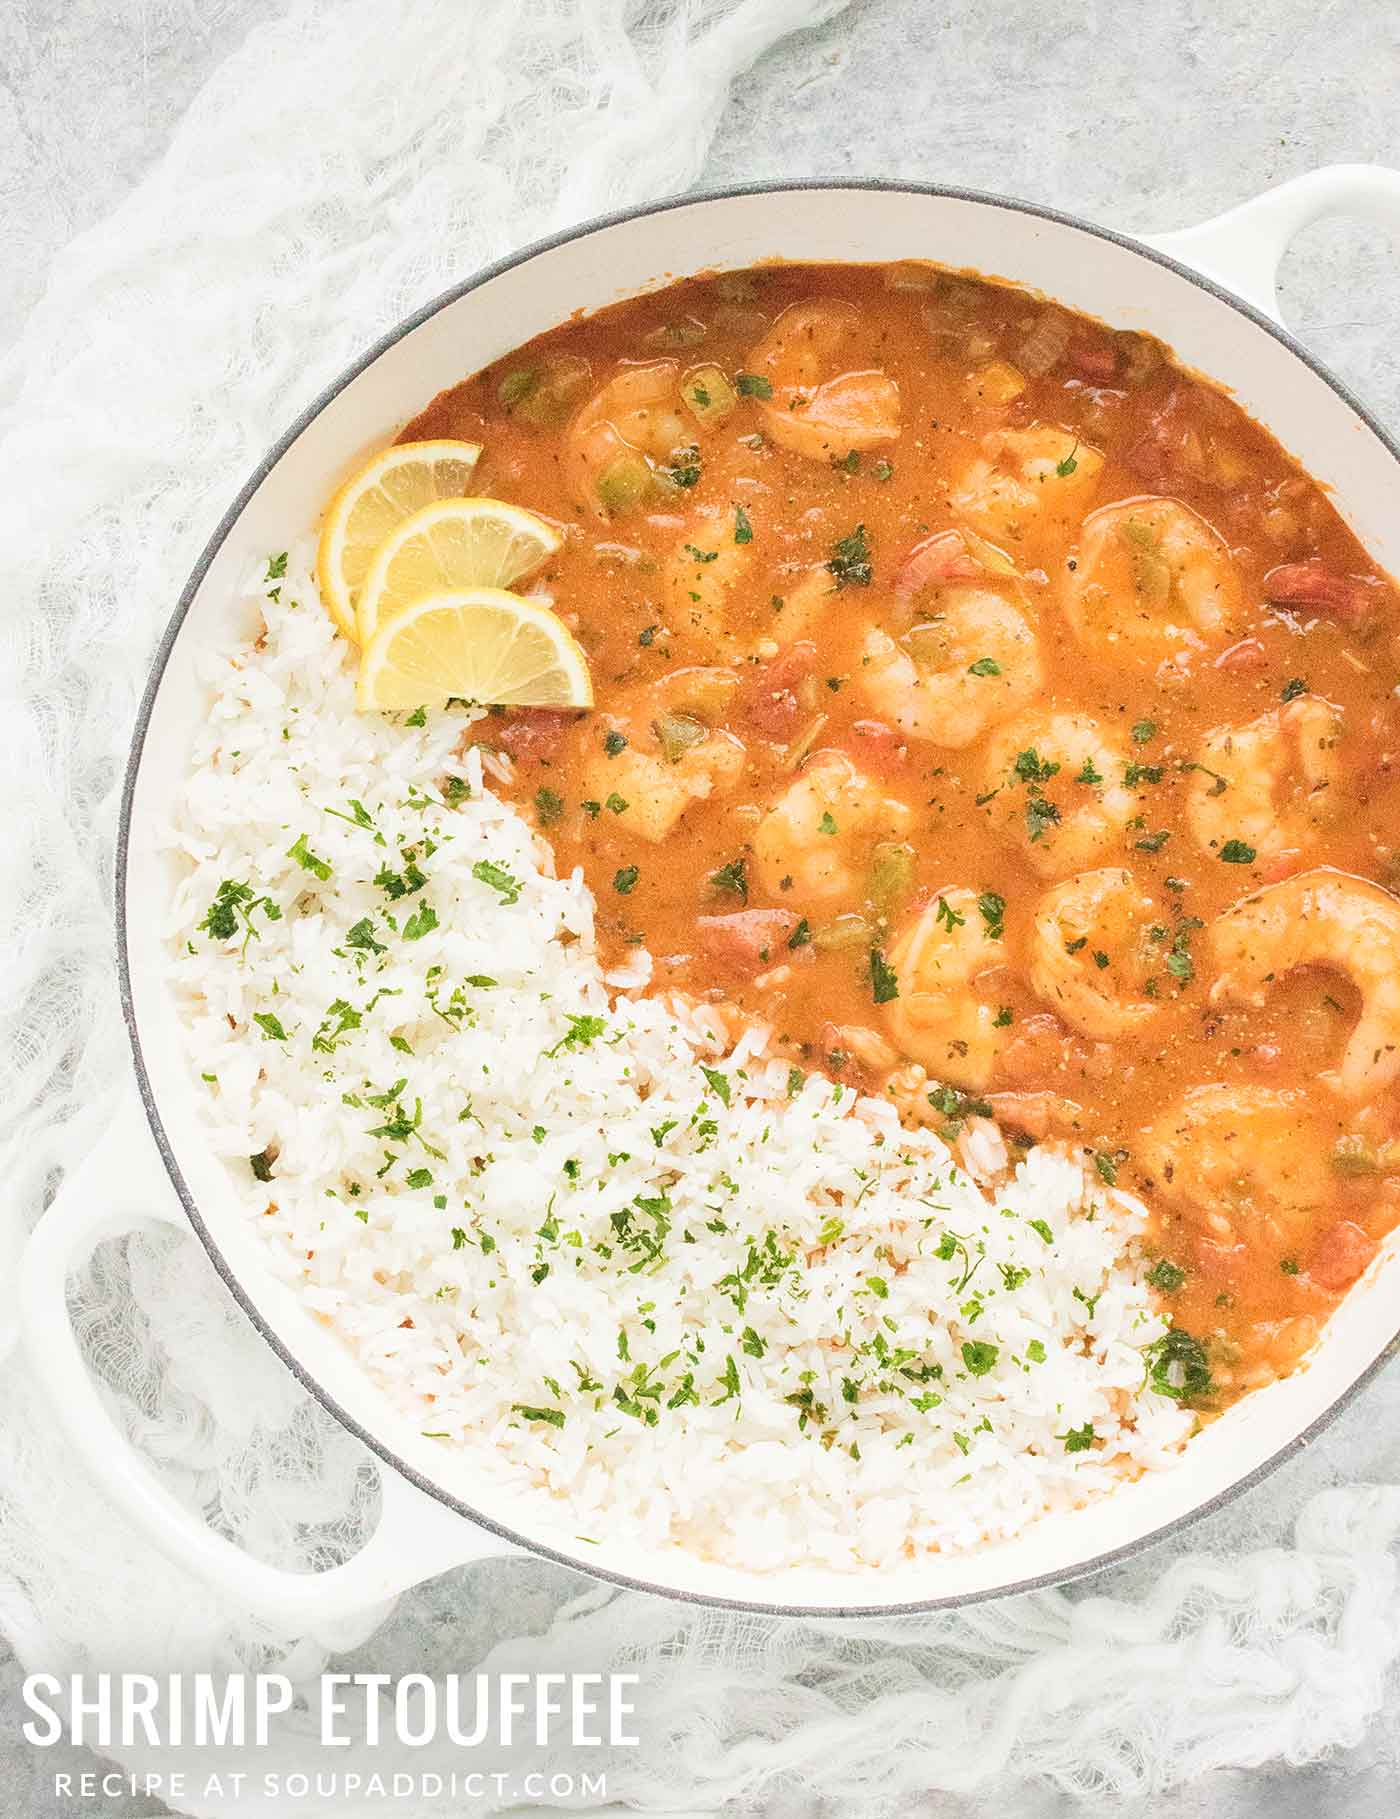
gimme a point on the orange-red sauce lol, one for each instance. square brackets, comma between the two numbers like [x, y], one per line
[715, 546]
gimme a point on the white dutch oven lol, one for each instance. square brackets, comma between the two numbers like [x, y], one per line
[1209, 292]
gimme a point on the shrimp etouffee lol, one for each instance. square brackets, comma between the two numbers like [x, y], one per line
[991, 710]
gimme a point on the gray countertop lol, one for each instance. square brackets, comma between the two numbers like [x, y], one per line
[1146, 114]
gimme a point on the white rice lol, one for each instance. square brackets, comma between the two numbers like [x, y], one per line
[775, 1330]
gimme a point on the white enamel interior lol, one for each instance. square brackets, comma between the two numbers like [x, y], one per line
[1109, 280]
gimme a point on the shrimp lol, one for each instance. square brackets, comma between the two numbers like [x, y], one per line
[815, 841]
[618, 444]
[1321, 918]
[1028, 480]
[652, 761]
[1151, 585]
[952, 676]
[701, 573]
[937, 1018]
[856, 406]
[1090, 952]
[1053, 783]
[1244, 1163]
[1270, 782]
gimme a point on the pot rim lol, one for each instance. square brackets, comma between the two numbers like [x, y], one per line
[161, 656]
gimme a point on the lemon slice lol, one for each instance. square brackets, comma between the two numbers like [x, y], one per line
[372, 502]
[478, 644]
[454, 543]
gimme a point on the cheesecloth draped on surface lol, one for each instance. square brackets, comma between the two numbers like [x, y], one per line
[346, 164]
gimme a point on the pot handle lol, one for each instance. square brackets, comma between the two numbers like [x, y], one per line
[121, 1183]
[1242, 248]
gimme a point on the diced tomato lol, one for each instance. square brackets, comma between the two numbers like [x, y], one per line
[751, 938]
[773, 707]
[531, 733]
[941, 557]
[1169, 446]
[1315, 587]
[1282, 865]
[1246, 657]
[1094, 362]
[1340, 1255]
[879, 745]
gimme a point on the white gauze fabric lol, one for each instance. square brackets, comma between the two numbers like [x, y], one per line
[347, 163]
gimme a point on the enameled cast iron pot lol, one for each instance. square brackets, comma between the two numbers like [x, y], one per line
[1209, 293]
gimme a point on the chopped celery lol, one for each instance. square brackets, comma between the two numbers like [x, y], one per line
[1353, 1156]
[708, 395]
[928, 643]
[845, 931]
[891, 874]
[518, 385]
[684, 333]
[545, 395]
[1152, 575]
[676, 734]
[994, 560]
[624, 483]
[705, 690]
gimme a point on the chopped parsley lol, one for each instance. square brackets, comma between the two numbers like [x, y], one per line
[423, 919]
[504, 883]
[991, 907]
[624, 879]
[361, 936]
[549, 806]
[1237, 852]
[685, 468]
[1165, 1276]
[270, 1026]
[1291, 689]
[1177, 1366]
[554, 1417]
[614, 742]
[582, 1031]
[307, 860]
[979, 1356]
[801, 935]
[401, 884]
[984, 666]
[1041, 814]
[1030, 767]
[743, 530]
[850, 560]
[752, 385]
[234, 905]
[732, 879]
[884, 981]
[1143, 730]
[719, 1085]
[1080, 1439]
